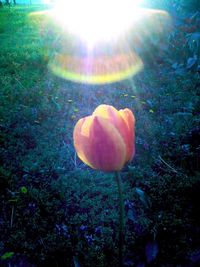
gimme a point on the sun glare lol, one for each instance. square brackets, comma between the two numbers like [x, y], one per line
[100, 41]
[96, 20]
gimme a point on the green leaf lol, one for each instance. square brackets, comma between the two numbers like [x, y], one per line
[23, 190]
[7, 255]
[144, 198]
[76, 262]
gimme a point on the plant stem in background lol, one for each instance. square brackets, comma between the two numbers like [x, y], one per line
[121, 217]
[12, 215]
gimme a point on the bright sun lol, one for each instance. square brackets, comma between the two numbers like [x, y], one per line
[101, 38]
[97, 20]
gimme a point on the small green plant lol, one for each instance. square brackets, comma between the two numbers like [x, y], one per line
[7, 255]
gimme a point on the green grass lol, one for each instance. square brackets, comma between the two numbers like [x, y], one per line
[37, 114]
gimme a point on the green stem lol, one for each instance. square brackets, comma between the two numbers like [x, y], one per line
[121, 217]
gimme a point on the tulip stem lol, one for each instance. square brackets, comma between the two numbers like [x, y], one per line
[121, 217]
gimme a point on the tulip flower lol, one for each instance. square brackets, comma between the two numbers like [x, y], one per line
[105, 140]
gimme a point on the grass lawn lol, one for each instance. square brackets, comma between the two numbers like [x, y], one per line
[54, 210]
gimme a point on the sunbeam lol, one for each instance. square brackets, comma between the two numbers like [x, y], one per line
[100, 42]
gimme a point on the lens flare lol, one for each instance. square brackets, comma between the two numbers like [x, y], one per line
[96, 20]
[96, 70]
[99, 41]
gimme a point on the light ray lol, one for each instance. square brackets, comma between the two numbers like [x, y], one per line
[97, 20]
[100, 41]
